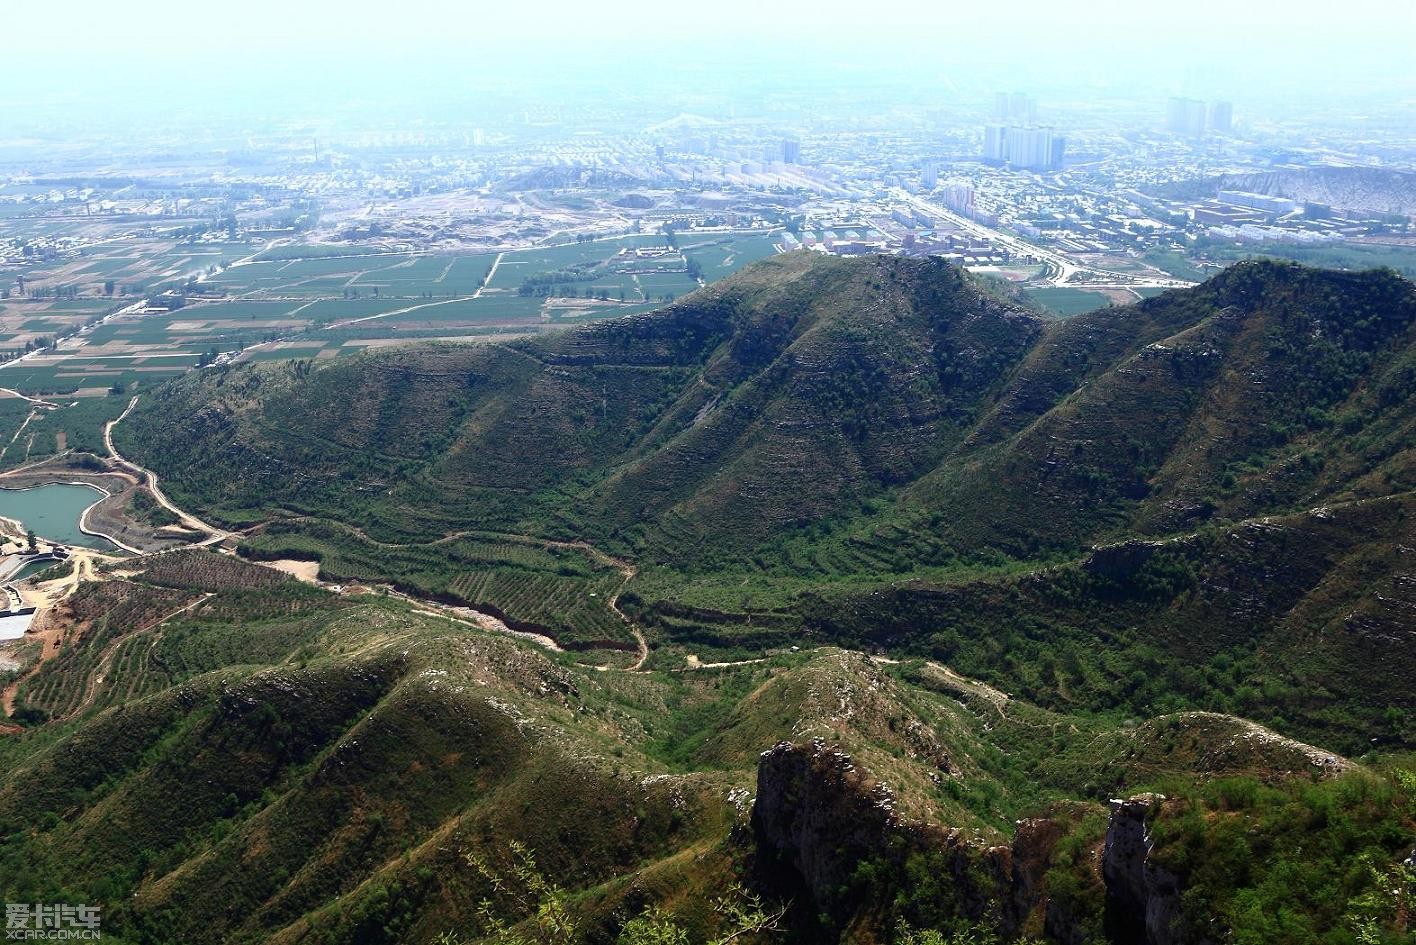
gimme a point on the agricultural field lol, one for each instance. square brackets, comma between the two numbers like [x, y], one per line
[109, 612]
[25, 323]
[143, 637]
[521, 290]
[553, 590]
[721, 257]
[70, 299]
[124, 267]
[81, 373]
[1066, 301]
[312, 302]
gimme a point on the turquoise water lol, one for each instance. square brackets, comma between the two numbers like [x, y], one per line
[53, 512]
[33, 568]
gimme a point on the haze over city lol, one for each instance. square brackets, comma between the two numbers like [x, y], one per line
[279, 58]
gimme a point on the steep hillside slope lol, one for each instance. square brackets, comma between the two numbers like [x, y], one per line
[873, 451]
[336, 759]
[1307, 621]
[1268, 386]
[808, 390]
[776, 397]
[348, 768]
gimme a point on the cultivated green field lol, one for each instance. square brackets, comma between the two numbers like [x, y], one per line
[324, 302]
[132, 265]
[1064, 300]
[559, 592]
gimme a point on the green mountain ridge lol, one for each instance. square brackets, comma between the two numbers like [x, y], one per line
[340, 771]
[781, 381]
[926, 581]
[801, 388]
[803, 437]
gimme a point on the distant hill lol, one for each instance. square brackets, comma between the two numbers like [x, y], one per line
[809, 390]
[1369, 189]
[786, 393]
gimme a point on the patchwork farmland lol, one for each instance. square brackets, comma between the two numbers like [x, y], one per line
[234, 301]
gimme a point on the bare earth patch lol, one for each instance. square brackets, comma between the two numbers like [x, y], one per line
[307, 571]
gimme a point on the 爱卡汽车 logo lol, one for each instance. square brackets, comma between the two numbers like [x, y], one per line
[51, 922]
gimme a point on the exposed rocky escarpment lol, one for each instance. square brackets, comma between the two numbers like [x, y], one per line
[819, 816]
[1142, 897]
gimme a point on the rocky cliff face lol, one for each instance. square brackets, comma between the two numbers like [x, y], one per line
[818, 812]
[819, 816]
[1142, 897]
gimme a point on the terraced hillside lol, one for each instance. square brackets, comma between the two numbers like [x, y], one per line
[809, 449]
[351, 769]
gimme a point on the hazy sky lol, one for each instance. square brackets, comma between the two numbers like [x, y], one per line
[146, 52]
[1349, 29]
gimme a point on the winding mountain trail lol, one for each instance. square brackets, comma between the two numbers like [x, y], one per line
[627, 570]
[471, 616]
[965, 684]
[149, 478]
[691, 661]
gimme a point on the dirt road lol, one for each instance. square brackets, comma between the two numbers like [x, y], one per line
[149, 478]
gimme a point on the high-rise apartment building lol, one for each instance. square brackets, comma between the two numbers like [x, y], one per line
[1035, 149]
[995, 144]
[1185, 116]
[1221, 117]
[1017, 108]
